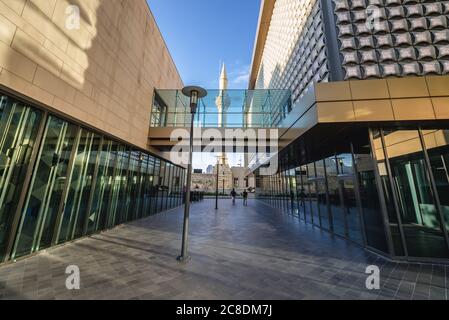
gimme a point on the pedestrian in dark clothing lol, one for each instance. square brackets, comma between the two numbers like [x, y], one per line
[245, 197]
[233, 195]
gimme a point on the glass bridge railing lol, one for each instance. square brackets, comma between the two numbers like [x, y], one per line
[222, 109]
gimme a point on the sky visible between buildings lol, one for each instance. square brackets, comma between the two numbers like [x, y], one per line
[201, 35]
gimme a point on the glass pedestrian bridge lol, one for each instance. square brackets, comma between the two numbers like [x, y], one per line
[222, 109]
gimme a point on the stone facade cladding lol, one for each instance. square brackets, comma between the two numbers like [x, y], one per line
[102, 73]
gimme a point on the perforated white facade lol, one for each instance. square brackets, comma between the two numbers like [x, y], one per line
[381, 38]
[294, 54]
[331, 40]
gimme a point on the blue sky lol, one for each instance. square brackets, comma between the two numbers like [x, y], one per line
[201, 34]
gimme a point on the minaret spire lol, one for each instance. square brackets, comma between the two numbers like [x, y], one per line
[222, 102]
[223, 78]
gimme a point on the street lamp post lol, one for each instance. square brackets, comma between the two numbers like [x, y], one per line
[216, 185]
[194, 93]
[223, 181]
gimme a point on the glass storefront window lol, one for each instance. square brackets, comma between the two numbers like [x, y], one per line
[144, 176]
[303, 192]
[19, 126]
[49, 179]
[416, 202]
[156, 184]
[437, 145]
[348, 200]
[293, 192]
[133, 190]
[320, 183]
[103, 188]
[59, 181]
[77, 197]
[150, 192]
[313, 196]
[369, 198]
[382, 167]
[338, 216]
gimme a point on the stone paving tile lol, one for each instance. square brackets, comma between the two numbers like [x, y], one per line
[254, 252]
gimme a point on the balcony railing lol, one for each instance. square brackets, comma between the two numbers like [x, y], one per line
[222, 109]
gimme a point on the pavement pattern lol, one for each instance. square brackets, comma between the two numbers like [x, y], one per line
[237, 252]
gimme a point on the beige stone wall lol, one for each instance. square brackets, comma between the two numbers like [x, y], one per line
[103, 73]
[203, 182]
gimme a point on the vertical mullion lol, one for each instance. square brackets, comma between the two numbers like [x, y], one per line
[394, 192]
[111, 191]
[315, 181]
[81, 182]
[381, 196]
[328, 204]
[124, 187]
[94, 183]
[63, 200]
[357, 195]
[43, 210]
[137, 190]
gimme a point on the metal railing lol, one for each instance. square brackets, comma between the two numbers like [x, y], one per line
[222, 108]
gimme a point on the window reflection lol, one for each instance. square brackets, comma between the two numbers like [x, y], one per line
[19, 126]
[77, 197]
[418, 211]
[369, 199]
[437, 144]
[320, 182]
[388, 193]
[44, 199]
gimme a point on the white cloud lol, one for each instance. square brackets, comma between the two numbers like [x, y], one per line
[239, 77]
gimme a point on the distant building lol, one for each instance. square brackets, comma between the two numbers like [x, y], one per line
[210, 169]
[228, 178]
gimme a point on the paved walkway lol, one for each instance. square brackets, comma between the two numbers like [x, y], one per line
[237, 253]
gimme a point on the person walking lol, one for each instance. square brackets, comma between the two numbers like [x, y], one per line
[245, 197]
[233, 195]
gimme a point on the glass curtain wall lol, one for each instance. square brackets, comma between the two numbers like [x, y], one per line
[324, 193]
[388, 191]
[59, 181]
[412, 178]
[45, 197]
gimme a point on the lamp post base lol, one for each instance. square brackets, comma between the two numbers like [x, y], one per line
[183, 259]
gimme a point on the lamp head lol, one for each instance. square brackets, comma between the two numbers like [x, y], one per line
[194, 93]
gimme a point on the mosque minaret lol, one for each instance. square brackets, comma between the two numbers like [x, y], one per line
[223, 102]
